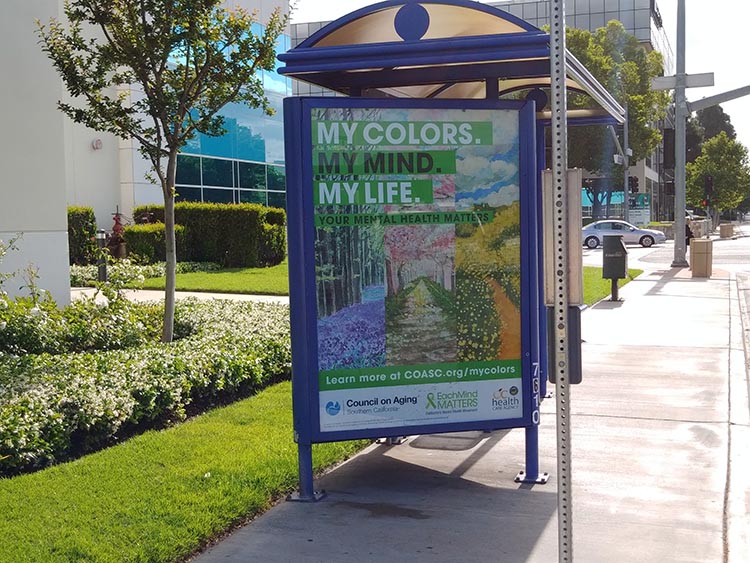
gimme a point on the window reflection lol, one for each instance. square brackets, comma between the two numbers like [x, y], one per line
[230, 181]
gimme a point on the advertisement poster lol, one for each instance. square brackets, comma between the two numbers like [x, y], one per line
[640, 209]
[418, 265]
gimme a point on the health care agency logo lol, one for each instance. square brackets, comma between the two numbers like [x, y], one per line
[505, 398]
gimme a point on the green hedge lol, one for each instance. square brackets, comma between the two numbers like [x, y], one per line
[235, 235]
[147, 241]
[81, 235]
[57, 407]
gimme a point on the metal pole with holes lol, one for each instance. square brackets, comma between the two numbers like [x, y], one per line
[559, 327]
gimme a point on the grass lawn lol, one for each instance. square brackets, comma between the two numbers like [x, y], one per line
[160, 496]
[595, 288]
[262, 281]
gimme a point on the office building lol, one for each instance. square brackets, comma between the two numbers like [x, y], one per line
[50, 162]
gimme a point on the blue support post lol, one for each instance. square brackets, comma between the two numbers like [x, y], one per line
[307, 492]
[531, 473]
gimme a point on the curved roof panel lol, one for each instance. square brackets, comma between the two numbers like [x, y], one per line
[447, 19]
[456, 49]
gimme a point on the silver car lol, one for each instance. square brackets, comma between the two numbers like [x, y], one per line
[593, 233]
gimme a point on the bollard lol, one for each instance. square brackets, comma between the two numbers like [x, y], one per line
[101, 239]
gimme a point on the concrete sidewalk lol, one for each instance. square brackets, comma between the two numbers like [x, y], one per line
[660, 458]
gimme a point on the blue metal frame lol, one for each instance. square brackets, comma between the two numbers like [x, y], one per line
[302, 292]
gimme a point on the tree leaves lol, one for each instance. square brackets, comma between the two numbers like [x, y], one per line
[726, 161]
[623, 66]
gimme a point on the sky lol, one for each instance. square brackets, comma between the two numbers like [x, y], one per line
[715, 42]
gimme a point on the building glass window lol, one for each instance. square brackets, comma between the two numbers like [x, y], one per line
[188, 170]
[643, 19]
[217, 195]
[217, 172]
[252, 175]
[277, 199]
[276, 178]
[184, 193]
[253, 196]
[230, 181]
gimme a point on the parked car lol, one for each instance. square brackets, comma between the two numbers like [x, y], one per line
[593, 233]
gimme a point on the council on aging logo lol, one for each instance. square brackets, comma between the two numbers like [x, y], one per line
[333, 408]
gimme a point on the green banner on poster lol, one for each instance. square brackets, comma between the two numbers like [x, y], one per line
[388, 376]
[389, 163]
[437, 218]
[372, 192]
[401, 133]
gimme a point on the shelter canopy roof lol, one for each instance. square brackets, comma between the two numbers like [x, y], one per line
[456, 49]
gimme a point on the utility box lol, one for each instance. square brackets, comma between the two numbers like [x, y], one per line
[615, 258]
[701, 257]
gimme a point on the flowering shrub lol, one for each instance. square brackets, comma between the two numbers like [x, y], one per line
[29, 327]
[86, 276]
[56, 407]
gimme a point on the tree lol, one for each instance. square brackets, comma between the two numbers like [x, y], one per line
[714, 121]
[704, 125]
[159, 71]
[694, 135]
[625, 68]
[726, 162]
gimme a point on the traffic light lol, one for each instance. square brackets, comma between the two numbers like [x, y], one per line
[708, 189]
[633, 184]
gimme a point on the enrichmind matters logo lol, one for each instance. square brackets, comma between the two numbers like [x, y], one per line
[503, 398]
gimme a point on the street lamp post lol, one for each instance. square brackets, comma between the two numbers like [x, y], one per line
[680, 118]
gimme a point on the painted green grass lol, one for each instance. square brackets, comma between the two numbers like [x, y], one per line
[162, 495]
[261, 281]
[595, 288]
[275, 281]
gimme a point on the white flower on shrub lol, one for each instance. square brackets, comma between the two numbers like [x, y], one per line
[35, 311]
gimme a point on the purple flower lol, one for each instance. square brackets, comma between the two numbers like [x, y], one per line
[353, 337]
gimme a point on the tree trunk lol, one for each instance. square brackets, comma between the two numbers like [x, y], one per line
[171, 254]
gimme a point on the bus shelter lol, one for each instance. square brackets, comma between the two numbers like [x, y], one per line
[415, 223]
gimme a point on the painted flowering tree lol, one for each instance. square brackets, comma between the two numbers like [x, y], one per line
[158, 72]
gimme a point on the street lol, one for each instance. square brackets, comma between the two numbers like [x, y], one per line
[732, 255]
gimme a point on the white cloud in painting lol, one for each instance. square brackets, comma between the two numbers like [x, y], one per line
[479, 171]
[506, 195]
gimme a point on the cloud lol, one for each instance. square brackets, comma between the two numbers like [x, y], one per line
[473, 171]
[496, 197]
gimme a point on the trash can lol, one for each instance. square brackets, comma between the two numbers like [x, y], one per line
[701, 257]
[726, 230]
[614, 258]
[614, 262]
